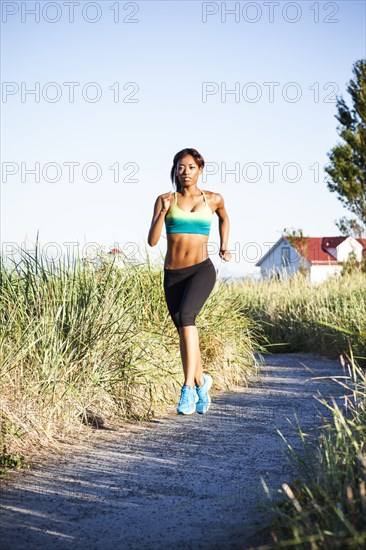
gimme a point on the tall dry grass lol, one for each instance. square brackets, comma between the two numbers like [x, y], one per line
[296, 315]
[81, 346]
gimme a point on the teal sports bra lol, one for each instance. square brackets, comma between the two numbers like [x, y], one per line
[182, 221]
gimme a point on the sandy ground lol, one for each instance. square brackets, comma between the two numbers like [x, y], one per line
[189, 482]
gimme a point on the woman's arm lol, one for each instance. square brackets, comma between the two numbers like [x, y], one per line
[161, 207]
[224, 226]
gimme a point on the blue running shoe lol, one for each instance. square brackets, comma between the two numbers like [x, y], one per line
[204, 399]
[188, 400]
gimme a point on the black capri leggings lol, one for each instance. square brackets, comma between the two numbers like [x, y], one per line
[187, 289]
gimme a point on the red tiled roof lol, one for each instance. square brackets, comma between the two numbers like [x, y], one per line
[318, 250]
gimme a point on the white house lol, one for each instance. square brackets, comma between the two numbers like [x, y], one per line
[318, 257]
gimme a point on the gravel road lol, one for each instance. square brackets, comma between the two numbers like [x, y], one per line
[189, 482]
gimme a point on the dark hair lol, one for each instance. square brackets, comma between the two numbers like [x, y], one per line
[183, 153]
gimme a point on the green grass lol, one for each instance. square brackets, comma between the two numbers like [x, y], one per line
[296, 315]
[81, 347]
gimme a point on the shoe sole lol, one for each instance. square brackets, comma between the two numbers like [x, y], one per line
[209, 398]
[190, 412]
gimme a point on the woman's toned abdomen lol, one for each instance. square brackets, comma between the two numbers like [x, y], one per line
[185, 249]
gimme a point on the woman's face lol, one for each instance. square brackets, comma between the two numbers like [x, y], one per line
[188, 171]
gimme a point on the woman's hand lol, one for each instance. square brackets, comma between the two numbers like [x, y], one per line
[165, 201]
[161, 208]
[225, 255]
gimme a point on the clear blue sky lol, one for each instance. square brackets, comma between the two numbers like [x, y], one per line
[168, 54]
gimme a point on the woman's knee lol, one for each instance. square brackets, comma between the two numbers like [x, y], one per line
[183, 320]
[186, 318]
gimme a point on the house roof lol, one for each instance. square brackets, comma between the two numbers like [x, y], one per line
[316, 250]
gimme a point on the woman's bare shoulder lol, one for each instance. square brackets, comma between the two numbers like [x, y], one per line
[215, 198]
[165, 195]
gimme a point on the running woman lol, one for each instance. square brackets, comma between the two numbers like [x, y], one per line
[189, 274]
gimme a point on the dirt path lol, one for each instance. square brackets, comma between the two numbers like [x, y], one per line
[181, 482]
